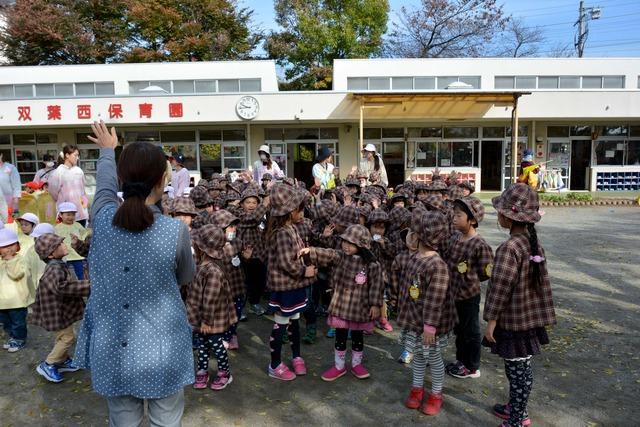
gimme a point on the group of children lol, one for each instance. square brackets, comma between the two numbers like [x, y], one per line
[367, 253]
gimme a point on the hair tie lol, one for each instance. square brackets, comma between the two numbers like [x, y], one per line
[135, 189]
[537, 259]
[514, 208]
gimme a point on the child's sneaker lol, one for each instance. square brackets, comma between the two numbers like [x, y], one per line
[281, 372]
[15, 345]
[331, 333]
[257, 309]
[360, 372]
[384, 325]
[202, 379]
[405, 357]
[49, 372]
[222, 380]
[299, 366]
[461, 371]
[333, 373]
[502, 411]
[433, 404]
[415, 398]
[233, 343]
[243, 317]
[67, 366]
[7, 344]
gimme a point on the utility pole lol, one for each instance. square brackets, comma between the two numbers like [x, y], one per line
[583, 29]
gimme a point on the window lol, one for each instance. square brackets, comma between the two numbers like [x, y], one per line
[183, 86]
[211, 135]
[44, 90]
[188, 150]
[142, 136]
[609, 152]
[580, 131]
[402, 83]
[523, 131]
[328, 133]
[613, 82]
[431, 132]
[634, 131]
[88, 161]
[525, 82]
[85, 89]
[234, 156]
[205, 86]
[426, 154]
[24, 91]
[633, 153]
[136, 87]
[306, 133]
[105, 88]
[6, 91]
[460, 132]
[178, 136]
[393, 133]
[569, 82]
[493, 132]
[614, 131]
[357, 83]
[24, 139]
[558, 132]
[470, 80]
[250, 85]
[5, 139]
[234, 135]
[232, 85]
[591, 82]
[210, 159]
[379, 83]
[63, 89]
[548, 82]
[462, 153]
[372, 133]
[273, 134]
[445, 81]
[503, 82]
[424, 83]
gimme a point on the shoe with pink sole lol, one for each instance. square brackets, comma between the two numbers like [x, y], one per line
[299, 366]
[281, 372]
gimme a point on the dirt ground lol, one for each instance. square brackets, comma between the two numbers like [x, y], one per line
[588, 376]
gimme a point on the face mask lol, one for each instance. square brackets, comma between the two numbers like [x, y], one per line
[231, 236]
[263, 157]
[49, 164]
[377, 237]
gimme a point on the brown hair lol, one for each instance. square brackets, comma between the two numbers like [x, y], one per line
[66, 150]
[140, 167]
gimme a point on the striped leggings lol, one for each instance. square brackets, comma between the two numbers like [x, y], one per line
[206, 344]
[432, 354]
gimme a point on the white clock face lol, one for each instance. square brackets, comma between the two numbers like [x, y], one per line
[247, 107]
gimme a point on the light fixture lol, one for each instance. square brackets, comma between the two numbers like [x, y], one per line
[459, 86]
[155, 90]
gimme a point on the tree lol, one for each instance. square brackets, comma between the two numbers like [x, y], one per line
[189, 30]
[518, 40]
[41, 32]
[446, 28]
[315, 32]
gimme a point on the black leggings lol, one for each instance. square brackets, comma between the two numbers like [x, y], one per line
[520, 376]
[255, 273]
[206, 344]
[357, 339]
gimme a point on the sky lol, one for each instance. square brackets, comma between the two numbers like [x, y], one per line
[616, 33]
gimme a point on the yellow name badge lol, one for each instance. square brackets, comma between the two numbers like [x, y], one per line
[488, 269]
[414, 291]
[463, 267]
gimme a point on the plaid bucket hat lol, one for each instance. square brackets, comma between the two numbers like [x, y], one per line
[285, 199]
[467, 185]
[200, 197]
[518, 202]
[455, 192]
[223, 219]
[378, 215]
[210, 240]
[358, 235]
[437, 185]
[250, 192]
[365, 210]
[352, 181]
[433, 203]
[47, 244]
[474, 205]
[399, 217]
[346, 216]
[183, 205]
[430, 226]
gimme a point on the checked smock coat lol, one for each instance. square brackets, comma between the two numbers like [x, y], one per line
[285, 268]
[470, 262]
[209, 300]
[512, 298]
[425, 296]
[351, 301]
[249, 230]
[59, 298]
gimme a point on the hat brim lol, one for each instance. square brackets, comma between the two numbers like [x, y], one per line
[54, 245]
[292, 204]
[519, 216]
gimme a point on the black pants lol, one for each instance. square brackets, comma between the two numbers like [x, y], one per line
[468, 337]
[255, 273]
[310, 312]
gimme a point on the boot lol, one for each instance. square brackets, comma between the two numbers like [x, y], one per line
[310, 336]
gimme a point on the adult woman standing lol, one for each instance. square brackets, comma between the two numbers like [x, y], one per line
[49, 166]
[265, 165]
[10, 187]
[135, 337]
[67, 183]
[323, 171]
[372, 161]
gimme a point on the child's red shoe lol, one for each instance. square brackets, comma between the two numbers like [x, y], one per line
[433, 404]
[415, 398]
[333, 373]
[299, 366]
[360, 372]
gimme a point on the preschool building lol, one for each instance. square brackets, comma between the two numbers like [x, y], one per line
[580, 116]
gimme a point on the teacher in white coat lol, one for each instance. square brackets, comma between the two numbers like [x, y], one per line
[372, 161]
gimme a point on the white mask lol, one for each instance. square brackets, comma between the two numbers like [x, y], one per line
[377, 237]
[263, 157]
[231, 236]
[49, 164]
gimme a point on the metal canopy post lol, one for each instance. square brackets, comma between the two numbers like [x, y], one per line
[514, 140]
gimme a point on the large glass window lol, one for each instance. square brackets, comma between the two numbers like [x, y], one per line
[210, 159]
[569, 82]
[609, 152]
[183, 86]
[357, 83]
[613, 82]
[105, 88]
[547, 82]
[462, 153]
[445, 81]
[44, 90]
[85, 89]
[188, 150]
[63, 89]
[205, 86]
[231, 85]
[429, 132]
[424, 83]
[460, 132]
[591, 82]
[525, 82]
[558, 132]
[6, 91]
[426, 154]
[24, 91]
[493, 132]
[250, 85]
[304, 133]
[633, 152]
[379, 83]
[504, 82]
[402, 83]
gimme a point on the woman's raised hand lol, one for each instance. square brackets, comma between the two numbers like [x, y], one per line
[103, 137]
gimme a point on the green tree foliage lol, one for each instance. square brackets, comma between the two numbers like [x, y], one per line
[315, 32]
[43, 32]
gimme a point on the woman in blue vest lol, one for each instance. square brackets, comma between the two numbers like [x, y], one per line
[135, 338]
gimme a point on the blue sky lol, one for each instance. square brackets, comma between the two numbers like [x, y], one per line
[616, 33]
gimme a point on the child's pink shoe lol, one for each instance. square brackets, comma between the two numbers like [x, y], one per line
[281, 372]
[298, 366]
[222, 380]
[202, 378]
[233, 343]
[416, 396]
[333, 373]
[385, 325]
[360, 372]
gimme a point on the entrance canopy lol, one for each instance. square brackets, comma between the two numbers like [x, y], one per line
[447, 104]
